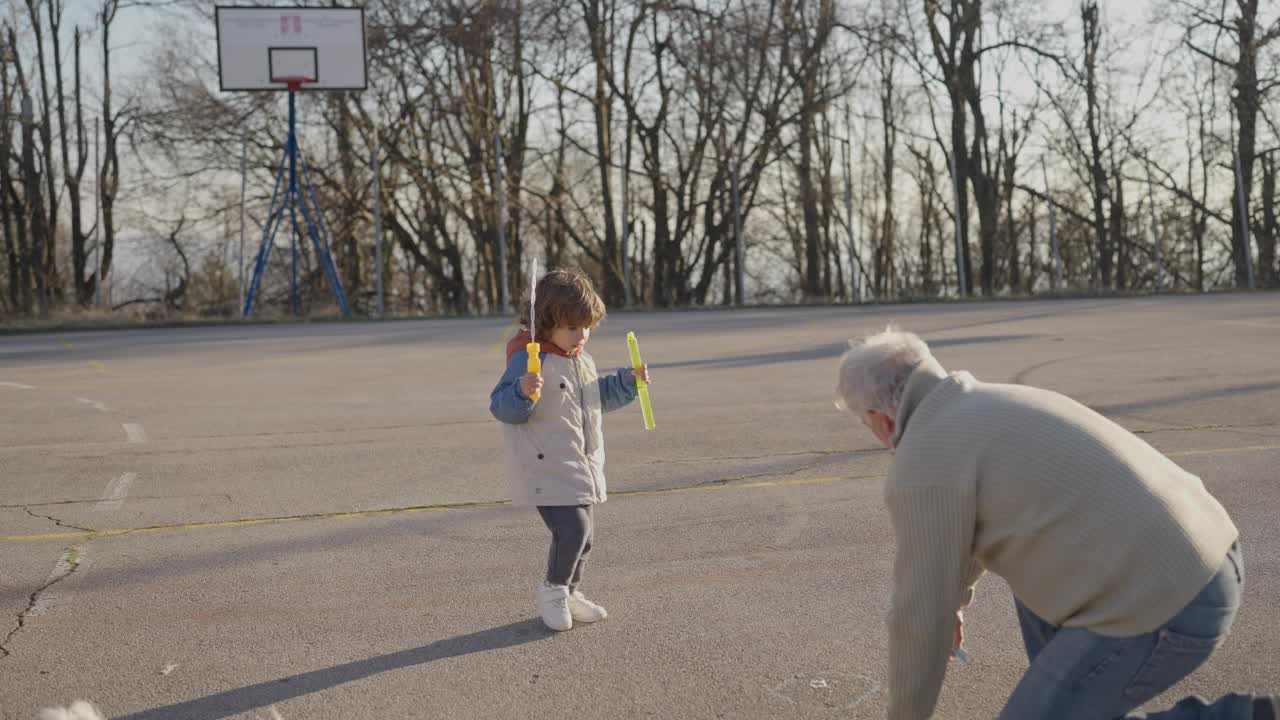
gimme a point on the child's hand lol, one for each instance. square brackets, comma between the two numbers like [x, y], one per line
[531, 383]
[643, 373]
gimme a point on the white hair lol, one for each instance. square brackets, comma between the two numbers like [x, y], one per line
[875, 368]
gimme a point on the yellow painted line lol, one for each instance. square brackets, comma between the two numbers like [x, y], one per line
[1223, 451]
[245, 522]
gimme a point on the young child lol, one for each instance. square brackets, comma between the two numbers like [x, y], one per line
[555, 445]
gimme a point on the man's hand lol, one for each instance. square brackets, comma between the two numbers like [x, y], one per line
[530, 384]
[642, 374]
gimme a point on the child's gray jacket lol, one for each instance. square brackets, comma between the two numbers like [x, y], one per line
[555, 447]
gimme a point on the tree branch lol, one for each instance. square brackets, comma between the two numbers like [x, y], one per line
[1229, 65]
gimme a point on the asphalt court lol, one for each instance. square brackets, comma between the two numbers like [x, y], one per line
[309, 520]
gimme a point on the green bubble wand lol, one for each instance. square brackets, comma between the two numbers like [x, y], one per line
[642, 387]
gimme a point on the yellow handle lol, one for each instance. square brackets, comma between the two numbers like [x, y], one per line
[642, 387]
[535, 365]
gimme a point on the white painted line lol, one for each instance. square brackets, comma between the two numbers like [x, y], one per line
[135, 432]
[50, 598]
[17, 386]
[94, 403]
[118, 489]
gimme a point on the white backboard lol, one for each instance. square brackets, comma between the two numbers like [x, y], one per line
[256, 44]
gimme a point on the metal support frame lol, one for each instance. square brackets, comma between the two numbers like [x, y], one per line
[294, 201]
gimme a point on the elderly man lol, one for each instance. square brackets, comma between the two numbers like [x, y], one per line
[1126, 572]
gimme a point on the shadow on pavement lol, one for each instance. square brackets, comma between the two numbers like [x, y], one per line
[241, 700]
[1186, 397]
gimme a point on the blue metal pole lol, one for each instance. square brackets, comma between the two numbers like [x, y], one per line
[293, 216]
[326, 261]
[323, 249]
[269, 228]
[264, 256]
[294, 200]
[315, 200]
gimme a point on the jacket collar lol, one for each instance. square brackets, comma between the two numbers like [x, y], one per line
[924, 378]
[523, 338]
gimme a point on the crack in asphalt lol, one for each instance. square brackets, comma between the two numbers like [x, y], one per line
[94, 501]
[73, 560]
[56, 521]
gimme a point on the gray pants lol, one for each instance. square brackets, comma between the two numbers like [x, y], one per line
[571, 529]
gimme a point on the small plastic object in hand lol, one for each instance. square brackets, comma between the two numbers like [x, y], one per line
[535, 365]
[642, 387]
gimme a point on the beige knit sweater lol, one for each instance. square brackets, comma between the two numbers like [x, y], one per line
[1090, 526]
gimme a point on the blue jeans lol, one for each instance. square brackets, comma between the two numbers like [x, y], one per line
[1076, 674]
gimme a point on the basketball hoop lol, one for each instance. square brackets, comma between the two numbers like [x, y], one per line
[293, 82]
[269, 49]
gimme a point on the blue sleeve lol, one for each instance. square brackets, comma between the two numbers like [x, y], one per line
[617, 390]
[506, 402]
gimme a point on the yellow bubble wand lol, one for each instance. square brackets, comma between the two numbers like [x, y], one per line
[642, 387]
[533, 347]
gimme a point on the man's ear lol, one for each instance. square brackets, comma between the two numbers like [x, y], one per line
[882, 426]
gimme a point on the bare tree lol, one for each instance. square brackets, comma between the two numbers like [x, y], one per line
[802, 52]
[73, 167]
[932, 208]
[1013, 133]
[1269, 231]
[31, 203]
[598, 16]
[348, 194]
[1092, 31]
[1251, 34]
[112, 128]
[956, 55]
[12, 212]
[48, 284]
[886, 54]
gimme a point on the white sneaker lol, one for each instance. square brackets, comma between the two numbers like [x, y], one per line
[583, 610]
[553, 602]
